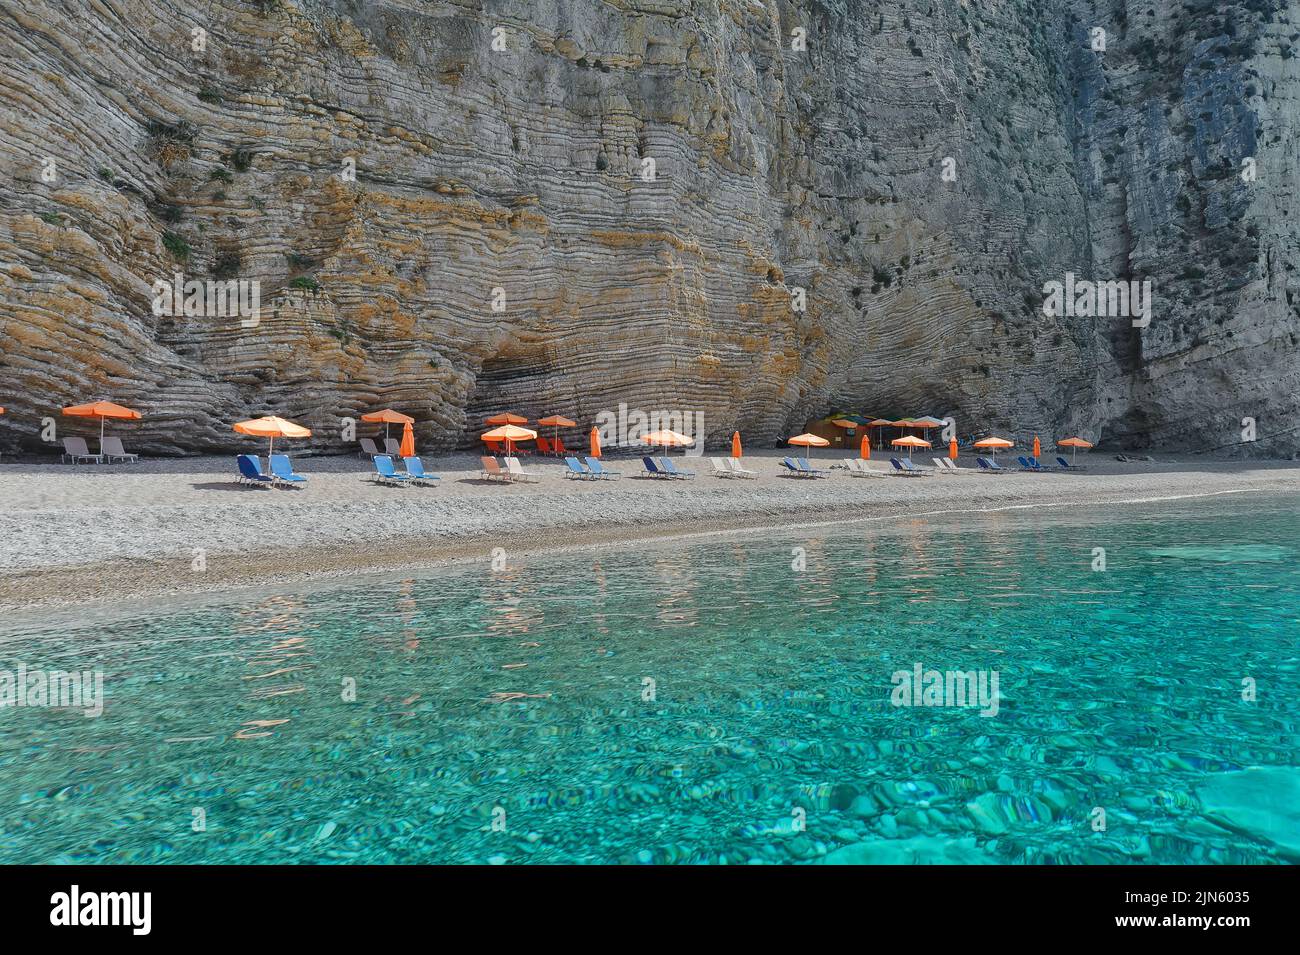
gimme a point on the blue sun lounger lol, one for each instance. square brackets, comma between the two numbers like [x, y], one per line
[282, 470]
[250, 471]
[598, 470]
[905, 468]
[416, 472]
[651, 470]
[576, 470]
[671, 469]
[385, 473]
[1065, 465]
[806, 468]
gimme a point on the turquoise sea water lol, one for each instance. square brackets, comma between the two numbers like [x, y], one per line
[767, 733]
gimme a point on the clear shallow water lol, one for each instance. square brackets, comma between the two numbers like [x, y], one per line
[1119, 689]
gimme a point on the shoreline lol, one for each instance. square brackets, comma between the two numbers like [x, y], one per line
[677, 511]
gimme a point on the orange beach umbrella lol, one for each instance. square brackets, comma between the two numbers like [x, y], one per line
[408, 440]
[866, 448]
[669, 439]
[808, 440]
[506, 417]
[595, 441]
[1075, 444]
[952, 449]
[557, 422]
[735, 445]
[510, 434]
[101, 410]
[910, 442]
[1038, 448]
[993, 444]
[389, 416]
[271, 427]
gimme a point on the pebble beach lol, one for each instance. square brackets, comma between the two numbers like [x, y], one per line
[81, 533]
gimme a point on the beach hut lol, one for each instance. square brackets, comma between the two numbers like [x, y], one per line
[511, 435]
[103, 410]
[992, 444]
[808, 440]
[1074, 444]
[271, 427]
[910, 441]
[880, 424]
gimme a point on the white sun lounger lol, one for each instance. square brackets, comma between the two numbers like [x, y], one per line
[740, 470]
[720, 469]
[516, 471]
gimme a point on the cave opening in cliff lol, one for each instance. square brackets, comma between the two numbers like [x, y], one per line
[520, 380]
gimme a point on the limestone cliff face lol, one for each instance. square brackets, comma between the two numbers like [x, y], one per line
[519, 176]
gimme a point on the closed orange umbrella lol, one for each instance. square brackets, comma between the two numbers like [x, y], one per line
[595, 442]
[910, 442]
[408, 440]
[506, 417]
[271, 427]
[808, 440]
[1038, 448]
[952, 449]
[101, 410]
[866, 448]
[735, 445]
[510, 434]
